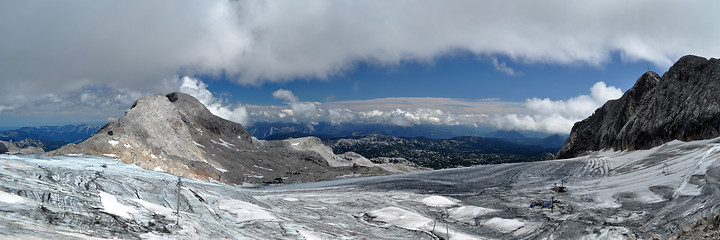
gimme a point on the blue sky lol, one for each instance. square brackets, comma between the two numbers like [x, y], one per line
[463, 76]
[520, 65]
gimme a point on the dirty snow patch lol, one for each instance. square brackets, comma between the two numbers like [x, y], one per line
[160, 210]
[263, 168]
[468, 213]
[308, 235]
[158, 168]
[401, 217]
[10, 198]
[350, 175]
[504, 225]
[221, 169]
[439, 201]
[226, 144]
[127, 145]
[110, 155]
[153, 156]
[111, 205]
[244, 211]
[113, 142]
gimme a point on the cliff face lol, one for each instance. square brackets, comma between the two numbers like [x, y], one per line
[175, 133]
[683, 104]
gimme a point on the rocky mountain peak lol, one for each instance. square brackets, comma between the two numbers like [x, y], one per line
[683, 104]
[175, 133]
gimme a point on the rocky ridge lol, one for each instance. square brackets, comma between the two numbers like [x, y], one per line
[23, 147]
[175, 133]
[683, 104]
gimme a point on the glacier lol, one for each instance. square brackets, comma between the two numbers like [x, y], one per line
[611, 195]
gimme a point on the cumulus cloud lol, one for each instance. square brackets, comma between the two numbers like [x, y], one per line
[557, 116]
[390, 111]
[502, 67]
[305, 109]
[63, 48]
[198, 89]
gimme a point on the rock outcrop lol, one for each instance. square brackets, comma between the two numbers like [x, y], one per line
[683, 104]
[175, 133]
[3, 148]
[23, 147]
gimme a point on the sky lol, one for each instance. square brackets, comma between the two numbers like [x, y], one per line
[516, 65]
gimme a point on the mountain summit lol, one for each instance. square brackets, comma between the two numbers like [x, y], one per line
[683, 104]
[175, 133]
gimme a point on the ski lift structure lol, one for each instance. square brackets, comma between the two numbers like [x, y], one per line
[561, 188]
[443, 216]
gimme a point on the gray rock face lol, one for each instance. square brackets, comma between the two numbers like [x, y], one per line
[175, 133]
[3, 148]
[23, 147]
[683, 104]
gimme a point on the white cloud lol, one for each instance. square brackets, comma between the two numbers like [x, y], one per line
[502, 67]
[390, 111]
[558, 116]
[198, 89]
[306, 109]
[5, 108]
[67, 48]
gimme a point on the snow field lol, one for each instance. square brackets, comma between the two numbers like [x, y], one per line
[481, 205]
[111, 205]
[244, 211]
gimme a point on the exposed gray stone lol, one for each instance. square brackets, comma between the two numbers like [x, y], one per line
[683, 104]
[175, 133]
[22, 147]
[3, 148]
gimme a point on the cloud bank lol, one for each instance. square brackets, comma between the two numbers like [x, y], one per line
[535, 114]
[54, 50]
[198, 89]
[557, 116]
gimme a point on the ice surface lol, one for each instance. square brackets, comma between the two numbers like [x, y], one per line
[611, 195]
[308, 235]
[157, 209]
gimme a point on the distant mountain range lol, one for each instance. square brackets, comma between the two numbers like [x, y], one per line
[442, 153]
[53, 137]
[327, 131]
[278, 130]
[50, 137]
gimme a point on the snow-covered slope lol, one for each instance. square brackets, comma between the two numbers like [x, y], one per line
[660, 192]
